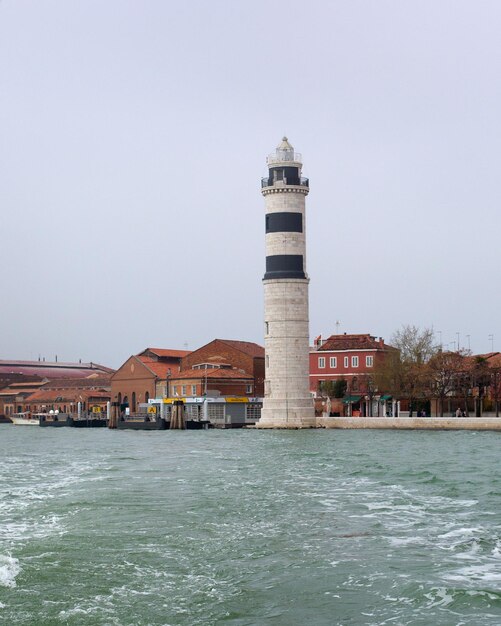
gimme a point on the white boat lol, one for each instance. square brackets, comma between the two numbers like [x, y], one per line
[24, 419]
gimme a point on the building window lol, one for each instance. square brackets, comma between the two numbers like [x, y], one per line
[321, 362]
[215, 411]
[369, 361]
[267, 328]
[174, 390]
[183, 390]
[147, 396]
[333, 362]
[267, 361]
[193, 390]
[354, 361]
[346, 361]
[248, 389]
[252, 412]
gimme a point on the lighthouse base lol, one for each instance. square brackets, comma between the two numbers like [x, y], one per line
[297, 413]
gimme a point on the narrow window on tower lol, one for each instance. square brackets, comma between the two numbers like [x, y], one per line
[267, 361]
[267, 328]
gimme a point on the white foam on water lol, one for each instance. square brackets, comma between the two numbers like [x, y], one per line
[2, 605]
[461, 532]
[45, 526]
[9, 569]
[496, 551]
[439, 597]
[406, 541]
[486, 573]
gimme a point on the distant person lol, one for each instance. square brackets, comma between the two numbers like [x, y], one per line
[459, 413]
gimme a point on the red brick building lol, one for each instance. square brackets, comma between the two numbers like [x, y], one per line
[207, 381]
[144, 376]
[224, 366]
[20, 379]
[13, 395]
[352, 357]
[64, 395]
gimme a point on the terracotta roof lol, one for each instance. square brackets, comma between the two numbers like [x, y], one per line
[166, 352]
[250, 348]
[161, 370]
[214, 373]
[493, 358]
[66, 395]
[353, 342]
[79, 383]
[19, 389]
[27, 385]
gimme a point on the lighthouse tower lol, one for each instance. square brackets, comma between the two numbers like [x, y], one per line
[287, 402]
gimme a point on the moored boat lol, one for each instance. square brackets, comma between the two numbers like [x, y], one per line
[24, 419]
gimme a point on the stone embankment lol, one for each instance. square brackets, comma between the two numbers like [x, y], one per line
[412, 423]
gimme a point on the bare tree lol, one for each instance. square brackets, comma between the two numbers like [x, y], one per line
[496, 386]
[443, 372]
[403, 373]
[415, 345]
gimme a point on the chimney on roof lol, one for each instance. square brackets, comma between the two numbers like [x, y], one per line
[56, 358]
[44, 359]
[345, 333]
[79, 360]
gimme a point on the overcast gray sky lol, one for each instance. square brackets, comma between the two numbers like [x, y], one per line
[134, 135]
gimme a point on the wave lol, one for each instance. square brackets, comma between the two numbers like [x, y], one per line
[9, 569]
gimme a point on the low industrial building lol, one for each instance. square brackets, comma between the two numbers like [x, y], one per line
[19, 380]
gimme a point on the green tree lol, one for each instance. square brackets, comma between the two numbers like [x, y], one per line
[340, 386]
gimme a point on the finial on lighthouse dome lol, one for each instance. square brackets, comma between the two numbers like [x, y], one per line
[285, 145]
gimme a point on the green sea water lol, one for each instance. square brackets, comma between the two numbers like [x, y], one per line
[249, 527]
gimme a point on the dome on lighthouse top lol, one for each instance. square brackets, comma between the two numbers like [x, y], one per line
[284, 153]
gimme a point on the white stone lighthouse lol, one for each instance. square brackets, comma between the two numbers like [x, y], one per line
[287, 402]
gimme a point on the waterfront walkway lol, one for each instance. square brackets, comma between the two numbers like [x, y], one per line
[413, 423]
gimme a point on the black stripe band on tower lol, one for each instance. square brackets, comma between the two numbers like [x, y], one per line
[284, 266]
[285, 222]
